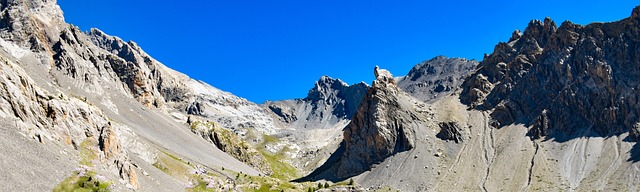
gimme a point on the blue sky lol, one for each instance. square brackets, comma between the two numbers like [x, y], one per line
[277, 49]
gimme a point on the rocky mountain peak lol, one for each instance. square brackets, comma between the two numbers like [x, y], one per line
[325, 88]
[540, 31]
[328, 102]
[636, 12]
[46, 11]
[515, 35]
[436, 77]
[31, 24]
[383, 76]
[336, 92]
[561, 81]
[381, 127]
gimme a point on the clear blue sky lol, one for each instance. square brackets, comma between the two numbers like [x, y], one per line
[277, 49]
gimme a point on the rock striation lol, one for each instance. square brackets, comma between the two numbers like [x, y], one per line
[562, 80]
[66, 88]
[437, 77]
[59, 118]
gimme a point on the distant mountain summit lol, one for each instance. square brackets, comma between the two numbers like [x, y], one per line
[328, 102]
[436, 77]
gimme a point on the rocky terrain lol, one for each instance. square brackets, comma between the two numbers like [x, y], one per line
[437, 77]
[562, 82]
[328, 103]
[381, 128]
[83, 107]
[314, 124]
[553, 109]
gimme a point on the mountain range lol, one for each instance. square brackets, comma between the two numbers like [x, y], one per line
[554, 108]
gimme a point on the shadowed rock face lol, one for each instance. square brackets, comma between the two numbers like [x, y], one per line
[450, 131]
[561, 80]
[345, 98]
[381, 128]
[327, 103]
[436, 77]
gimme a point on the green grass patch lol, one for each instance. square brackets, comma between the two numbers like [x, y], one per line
[87, 155]
[172, 165]
[201, 186]
[176, 158]
[269, 139]
[281, 169]
[270, 184]
[386, 189]
[85, 183]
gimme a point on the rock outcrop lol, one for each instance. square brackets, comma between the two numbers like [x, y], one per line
[437, 77]
[73, 89]
[450, 131]
[561, 80]
[231, 144]
[382, 127]
[59, 118]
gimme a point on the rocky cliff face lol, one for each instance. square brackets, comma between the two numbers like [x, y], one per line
[437, 77]
[106, 99]
[37, 112]
[59, 118]
[561, 80]
[382, 127]
[328, 102]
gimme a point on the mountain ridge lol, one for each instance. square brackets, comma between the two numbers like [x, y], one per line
[523, 119]
[554, 108]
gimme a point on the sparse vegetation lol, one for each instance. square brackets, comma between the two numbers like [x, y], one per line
[277, 161]
[231, 144]
[82, 181]
[172, 165]
[87, 154]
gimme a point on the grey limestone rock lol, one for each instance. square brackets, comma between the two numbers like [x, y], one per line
[436, 77]
[561, 80]
[382, 127]
[327, 103]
